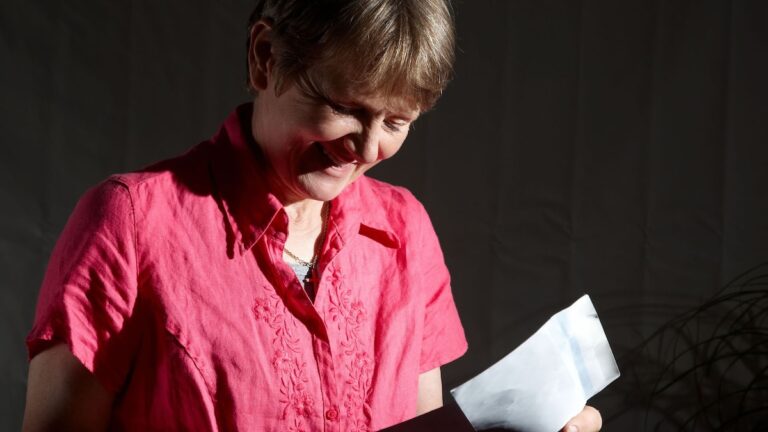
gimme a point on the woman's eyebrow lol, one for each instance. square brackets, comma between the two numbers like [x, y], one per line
[350, 103]
[398, 112]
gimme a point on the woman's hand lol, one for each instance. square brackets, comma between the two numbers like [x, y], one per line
[588, 420]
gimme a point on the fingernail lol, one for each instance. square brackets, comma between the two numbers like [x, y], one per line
[573, 428]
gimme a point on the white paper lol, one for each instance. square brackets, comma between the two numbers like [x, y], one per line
[545, 381]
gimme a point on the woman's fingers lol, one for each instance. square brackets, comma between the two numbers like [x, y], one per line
[588, 420]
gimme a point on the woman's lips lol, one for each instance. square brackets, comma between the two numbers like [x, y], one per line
[337, 161]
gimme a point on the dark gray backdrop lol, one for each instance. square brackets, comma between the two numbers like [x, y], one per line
[617, 148]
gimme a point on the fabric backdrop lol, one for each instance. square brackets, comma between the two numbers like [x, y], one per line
[616, 148]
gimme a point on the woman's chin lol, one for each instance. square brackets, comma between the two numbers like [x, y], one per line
[327, 188]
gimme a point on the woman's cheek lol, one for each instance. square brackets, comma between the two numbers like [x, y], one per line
[390, 148]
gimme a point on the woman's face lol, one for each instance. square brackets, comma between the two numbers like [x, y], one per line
[317, 145]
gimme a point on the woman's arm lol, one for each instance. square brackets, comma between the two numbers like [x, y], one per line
[63, 395]
[430, 392]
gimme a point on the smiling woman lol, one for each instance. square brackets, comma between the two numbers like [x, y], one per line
[342, 82]
[319, 145]
[261, 281]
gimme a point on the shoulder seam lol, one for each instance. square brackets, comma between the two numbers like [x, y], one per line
[121, 182]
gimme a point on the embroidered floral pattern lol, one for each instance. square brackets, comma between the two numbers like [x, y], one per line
[349, 315]
[298, 404]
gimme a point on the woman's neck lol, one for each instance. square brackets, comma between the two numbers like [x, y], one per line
[306, 228]
[304, 216]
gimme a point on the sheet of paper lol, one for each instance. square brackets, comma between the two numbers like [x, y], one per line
[545, 381]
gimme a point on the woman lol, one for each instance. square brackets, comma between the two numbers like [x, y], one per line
[260, 281]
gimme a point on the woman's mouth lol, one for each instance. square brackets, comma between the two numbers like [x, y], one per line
[335, 160]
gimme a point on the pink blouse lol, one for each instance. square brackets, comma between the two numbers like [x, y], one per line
[169, 285]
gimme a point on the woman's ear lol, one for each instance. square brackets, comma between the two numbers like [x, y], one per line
[260, 56]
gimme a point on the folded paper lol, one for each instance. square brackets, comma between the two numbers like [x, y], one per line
[545, 381]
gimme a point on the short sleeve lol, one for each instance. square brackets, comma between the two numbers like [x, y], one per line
[90, 285]
[443, 335]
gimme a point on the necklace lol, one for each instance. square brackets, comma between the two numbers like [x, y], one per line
[310, 265]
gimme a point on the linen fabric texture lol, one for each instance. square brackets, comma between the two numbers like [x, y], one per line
[168, 284]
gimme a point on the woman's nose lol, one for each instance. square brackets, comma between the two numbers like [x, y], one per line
[366, 143]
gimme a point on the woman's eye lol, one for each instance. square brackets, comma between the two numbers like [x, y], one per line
[341, 109]
[395, 125]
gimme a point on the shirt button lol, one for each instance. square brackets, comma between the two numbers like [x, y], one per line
[331, 414]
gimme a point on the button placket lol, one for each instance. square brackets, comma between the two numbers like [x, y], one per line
[328, 384]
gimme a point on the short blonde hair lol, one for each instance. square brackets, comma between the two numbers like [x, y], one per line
[394, 48]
